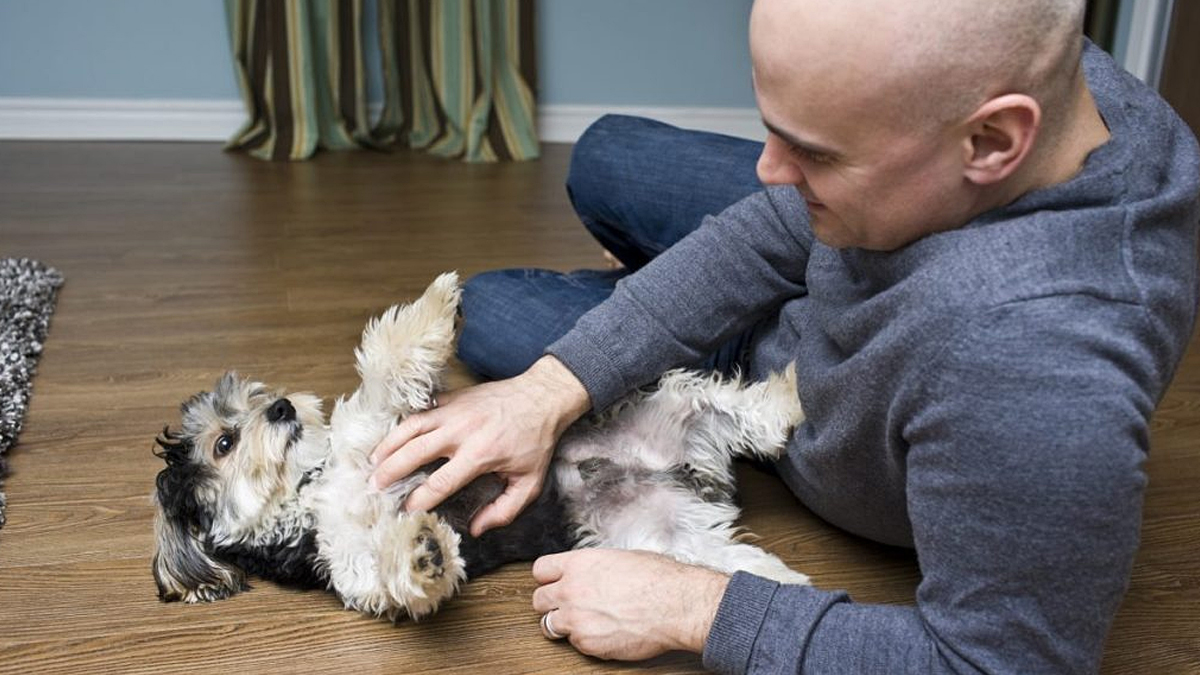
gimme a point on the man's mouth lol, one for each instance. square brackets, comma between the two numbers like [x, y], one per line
[812, 203]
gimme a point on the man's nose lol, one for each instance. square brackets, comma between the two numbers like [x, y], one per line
[776, 166]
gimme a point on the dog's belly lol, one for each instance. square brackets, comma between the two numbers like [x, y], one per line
[540, 529]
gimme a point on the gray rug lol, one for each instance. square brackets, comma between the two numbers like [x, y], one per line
[27, 292]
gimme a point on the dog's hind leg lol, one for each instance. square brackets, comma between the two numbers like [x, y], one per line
[732, 556]
[754, 419]
[696, 424]
[675, 522]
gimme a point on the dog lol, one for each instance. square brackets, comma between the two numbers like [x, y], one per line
[256, 482]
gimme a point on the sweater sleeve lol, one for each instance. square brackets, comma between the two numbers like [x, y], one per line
[1025, 485]
[735, 269]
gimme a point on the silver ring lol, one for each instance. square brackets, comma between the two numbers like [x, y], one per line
[548, 627]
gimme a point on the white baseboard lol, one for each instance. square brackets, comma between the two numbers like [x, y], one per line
[103, 119]
[216, 120]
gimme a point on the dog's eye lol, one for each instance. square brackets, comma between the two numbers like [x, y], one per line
[223, 445]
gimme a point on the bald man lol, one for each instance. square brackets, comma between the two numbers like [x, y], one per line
[977, 241]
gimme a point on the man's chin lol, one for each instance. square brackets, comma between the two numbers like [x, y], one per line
[829, 232]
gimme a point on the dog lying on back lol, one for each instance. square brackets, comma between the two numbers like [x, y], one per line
[257, 483]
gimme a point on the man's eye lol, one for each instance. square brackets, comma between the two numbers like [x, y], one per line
[814, 157]
[223, 446]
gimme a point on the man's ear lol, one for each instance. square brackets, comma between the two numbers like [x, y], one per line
[1000, 136]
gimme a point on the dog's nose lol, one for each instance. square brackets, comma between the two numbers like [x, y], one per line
[281, 410]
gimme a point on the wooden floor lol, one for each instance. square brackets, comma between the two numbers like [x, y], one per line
[182, 261]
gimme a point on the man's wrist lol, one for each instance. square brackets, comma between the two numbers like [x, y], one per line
[564, 391]
[704, 601]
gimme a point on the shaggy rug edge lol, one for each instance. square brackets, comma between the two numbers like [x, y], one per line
[28, 295]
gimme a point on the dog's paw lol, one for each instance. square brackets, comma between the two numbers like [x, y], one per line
[783, 394]
[779, 412]
[784, 575]
[428, 559]
[749, 558]
[420, 564]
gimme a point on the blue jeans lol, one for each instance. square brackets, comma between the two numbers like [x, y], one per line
[638, 186]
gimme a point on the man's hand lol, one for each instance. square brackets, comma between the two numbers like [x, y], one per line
[627, 605]
[508, 428]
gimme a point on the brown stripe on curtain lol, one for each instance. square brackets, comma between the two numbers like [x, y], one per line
[281, 92]
[496, 136]
[407, 98]
[259, 50]
[528, 51]
[347, 65]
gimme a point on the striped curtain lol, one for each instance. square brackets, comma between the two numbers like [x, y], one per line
[458, 77]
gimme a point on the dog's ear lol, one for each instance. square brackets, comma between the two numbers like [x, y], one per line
[184, 569]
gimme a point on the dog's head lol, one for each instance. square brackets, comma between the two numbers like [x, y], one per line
[239, 458]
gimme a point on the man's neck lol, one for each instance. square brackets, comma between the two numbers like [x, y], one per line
[1067, 148]
[1083, 132]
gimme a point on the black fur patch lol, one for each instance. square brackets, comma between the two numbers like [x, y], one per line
[540, 529]
[705, 487]
[599, 472]
[292, 563]
[178, 484]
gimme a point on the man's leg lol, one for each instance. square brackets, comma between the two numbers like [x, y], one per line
[638, 186]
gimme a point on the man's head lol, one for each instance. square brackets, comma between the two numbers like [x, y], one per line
[898, 118]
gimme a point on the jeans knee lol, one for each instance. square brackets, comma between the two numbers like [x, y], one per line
[473, 347]
[494, 339]
[603, 160]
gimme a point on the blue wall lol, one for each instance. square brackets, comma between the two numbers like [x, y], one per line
[646, 52]
[616, 52]
[115, 49]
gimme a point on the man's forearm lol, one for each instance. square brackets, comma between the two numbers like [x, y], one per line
[695, 296]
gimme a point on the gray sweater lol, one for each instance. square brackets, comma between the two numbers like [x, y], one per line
[982, 395]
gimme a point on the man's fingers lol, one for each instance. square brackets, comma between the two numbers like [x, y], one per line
[549, 568]
[417, 453]
[545, 598]
[506, 507]
[408, 429]
[448, 479]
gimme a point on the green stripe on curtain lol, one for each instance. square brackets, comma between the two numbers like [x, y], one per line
[339, 82]
[458, 77]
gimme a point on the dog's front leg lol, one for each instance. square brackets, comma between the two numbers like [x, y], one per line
[404, 351]
[419, 562]
[400, 360]
[380, 560]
